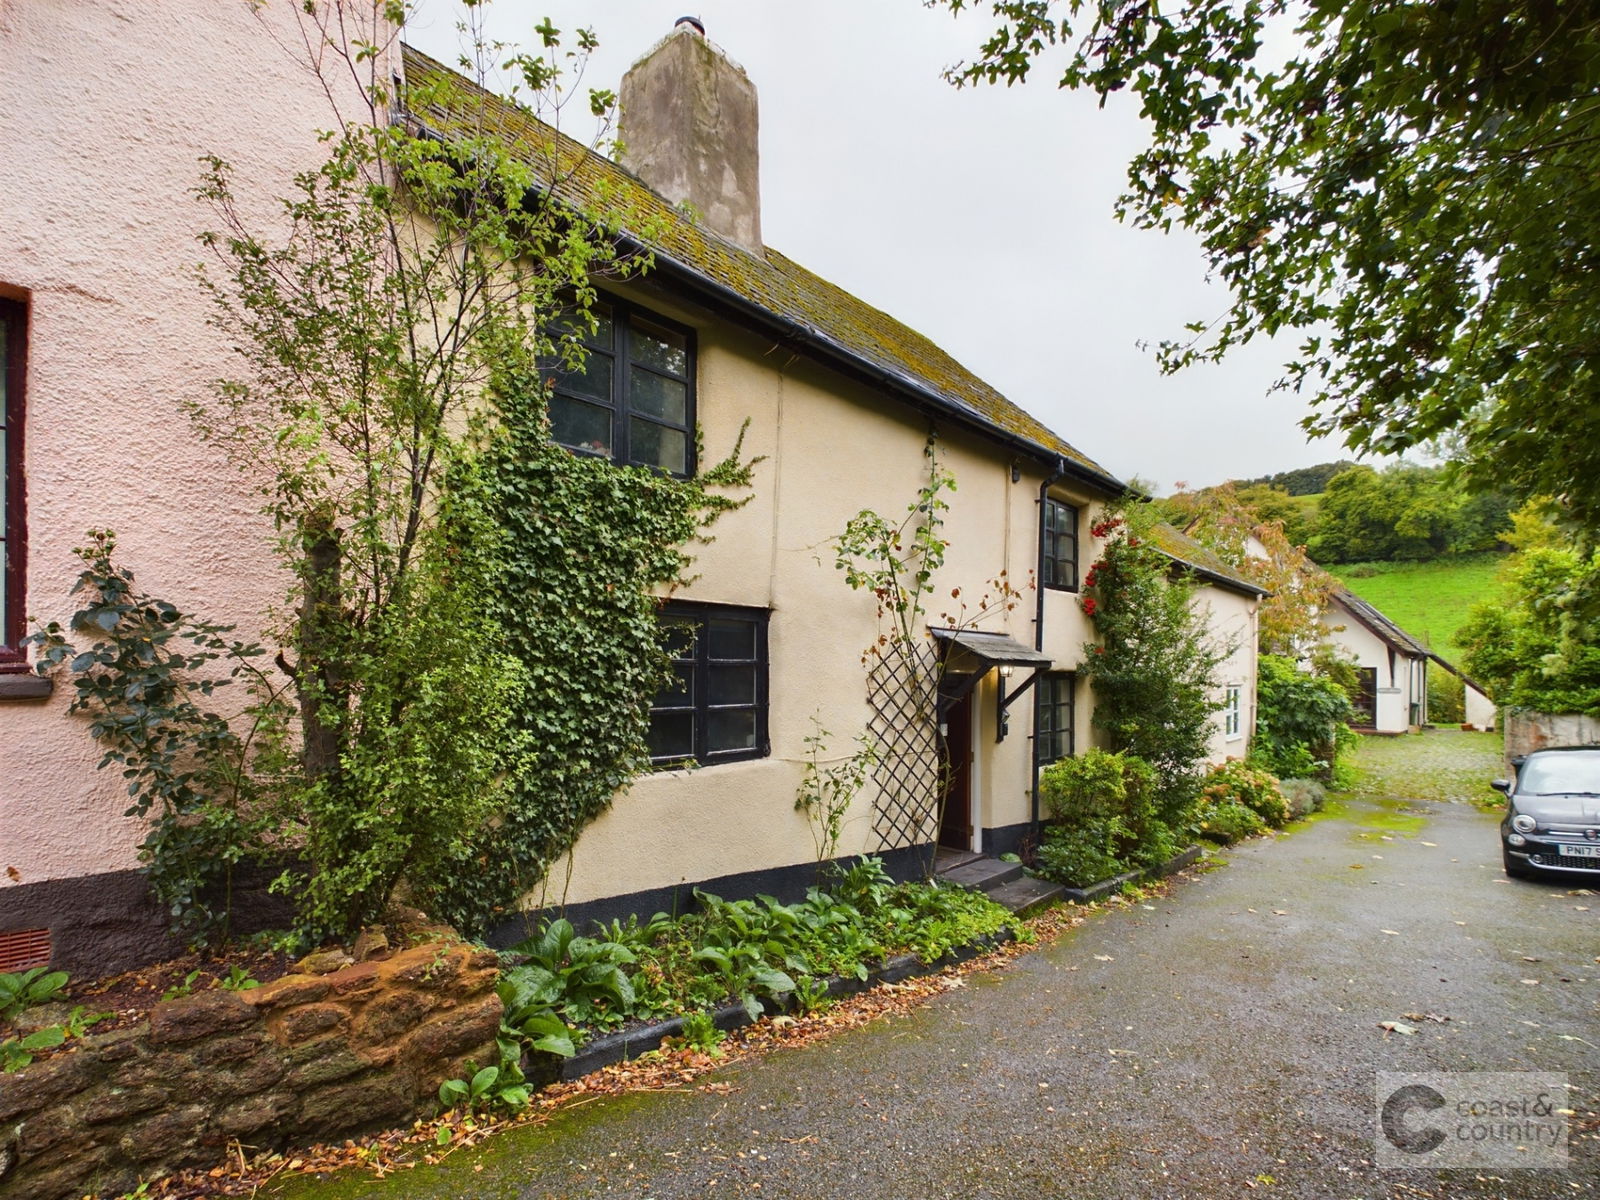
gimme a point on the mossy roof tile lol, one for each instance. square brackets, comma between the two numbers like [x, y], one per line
[1201, 559]
[771, 281]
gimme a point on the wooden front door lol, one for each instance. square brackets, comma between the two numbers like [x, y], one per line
[955, 824]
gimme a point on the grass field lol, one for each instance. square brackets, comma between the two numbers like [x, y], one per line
[1429, 600]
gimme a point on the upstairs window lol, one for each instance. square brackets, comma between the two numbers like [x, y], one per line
[715, 708]
[1053, 717]
[1231, 711]
[13, 526]
[1060, 545]
[632, 401]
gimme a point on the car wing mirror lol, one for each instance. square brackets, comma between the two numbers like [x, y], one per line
[1501, 785]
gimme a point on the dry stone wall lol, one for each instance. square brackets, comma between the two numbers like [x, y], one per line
[303, 1058]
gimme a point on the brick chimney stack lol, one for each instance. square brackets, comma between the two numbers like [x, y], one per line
[690, 131]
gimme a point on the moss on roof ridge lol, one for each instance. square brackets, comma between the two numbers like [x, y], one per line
[1177, 545]
[773, 281]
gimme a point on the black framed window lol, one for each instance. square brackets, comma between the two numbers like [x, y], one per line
[1053, 717]
[1060, 545]
[632, 401]
[13, 518]
[715, 708]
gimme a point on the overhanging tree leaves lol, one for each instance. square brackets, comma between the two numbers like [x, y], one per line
[1414, 185]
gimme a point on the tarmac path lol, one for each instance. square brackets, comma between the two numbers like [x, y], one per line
[1219, 1040]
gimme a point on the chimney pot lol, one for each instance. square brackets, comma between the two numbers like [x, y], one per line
[694, 23]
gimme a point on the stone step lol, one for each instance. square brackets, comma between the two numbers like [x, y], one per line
[982, 874]
[1026, 896]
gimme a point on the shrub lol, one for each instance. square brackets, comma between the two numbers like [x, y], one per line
[1081, 854]
[1256, 789]
[1298, 719]
[1106, 804]
[1230, 822]
[1305, 796]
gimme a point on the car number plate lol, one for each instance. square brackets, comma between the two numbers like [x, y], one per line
[1580, 851]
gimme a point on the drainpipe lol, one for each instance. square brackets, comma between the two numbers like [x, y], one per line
[1057, 472]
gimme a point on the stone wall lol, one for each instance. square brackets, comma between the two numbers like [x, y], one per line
[1529, 731]
[301, 1059]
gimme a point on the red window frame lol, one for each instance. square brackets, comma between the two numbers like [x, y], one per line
[13, 612]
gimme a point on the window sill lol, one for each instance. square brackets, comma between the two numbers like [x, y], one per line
[20, 686]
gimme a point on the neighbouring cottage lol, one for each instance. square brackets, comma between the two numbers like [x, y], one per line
[106, 336]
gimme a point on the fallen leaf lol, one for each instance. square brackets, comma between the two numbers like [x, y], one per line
[1460, 922]
[1527, 958]
[1390, 932]
[1280, 912]
[1358, 866]
[1435, 845]
[1397, 1027]
[1104, 958]
[1530, 982]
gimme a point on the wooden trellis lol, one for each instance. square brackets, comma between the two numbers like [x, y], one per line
[902, 693]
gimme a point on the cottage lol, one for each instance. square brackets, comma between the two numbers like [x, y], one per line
[105, 337]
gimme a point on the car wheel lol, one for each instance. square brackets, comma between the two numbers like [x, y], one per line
[1515, 867]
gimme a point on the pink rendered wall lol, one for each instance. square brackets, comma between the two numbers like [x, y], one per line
[108, 106]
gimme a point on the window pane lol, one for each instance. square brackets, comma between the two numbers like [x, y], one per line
[658, 348]
[731, 729]
[732, 685]
[568, 322]
[678, 636]
[681, 688]
[582, 426]
[657, 397]
[653, 445]
[671, 735]
[594, 379]
[732, 639]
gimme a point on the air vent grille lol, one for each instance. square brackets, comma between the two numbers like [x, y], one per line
[24, 948]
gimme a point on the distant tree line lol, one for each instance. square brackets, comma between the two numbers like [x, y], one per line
[1303, 481]
[1401, 513]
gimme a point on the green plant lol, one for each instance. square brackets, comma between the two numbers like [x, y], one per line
[179, 990]
[22, 990]
[579, 977]
[1256, 789]
[1082, 853]
[826, 792]
[1229, 822]
[18, 1052]
[1298, 720]
[700, 1033]
[143, 679]
[500, 1086]
[238, 979]
[811, 995]
[1153, 668]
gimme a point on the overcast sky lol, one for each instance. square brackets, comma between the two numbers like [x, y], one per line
[980, 217]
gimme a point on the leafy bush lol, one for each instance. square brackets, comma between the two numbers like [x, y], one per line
[1109, 819]
[1229, 822]
[1082, 854]
[1153, 667]
[1305, 796]
[1298, 720]
[23, 990]
[1256, 789]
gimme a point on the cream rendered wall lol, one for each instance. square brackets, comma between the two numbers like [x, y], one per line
[108, 107]
[1231, 622]
[832, 448]
[1395, 686]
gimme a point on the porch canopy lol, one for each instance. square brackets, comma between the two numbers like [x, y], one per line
[971, 653]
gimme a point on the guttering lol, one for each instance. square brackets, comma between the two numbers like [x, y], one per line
[724, 300]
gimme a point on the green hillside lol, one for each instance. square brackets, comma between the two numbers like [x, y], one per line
[1429, 600]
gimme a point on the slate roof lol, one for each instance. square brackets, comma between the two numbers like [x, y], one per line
[1383, 628]
[808, 313]
[1203, 561]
